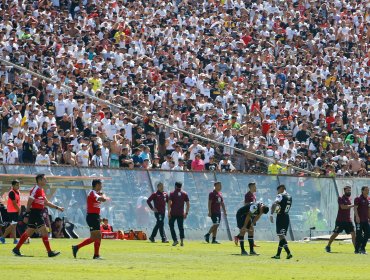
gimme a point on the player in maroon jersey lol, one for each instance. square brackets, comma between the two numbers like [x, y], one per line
[343, 221]
[94, 198]
[160, 198]
[215, 202]
[176, 203]
[35, 205]
[362, 219]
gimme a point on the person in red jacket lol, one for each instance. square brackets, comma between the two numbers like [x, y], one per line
[94, 198]
[105, 226]
[13, 209]
[35, 206]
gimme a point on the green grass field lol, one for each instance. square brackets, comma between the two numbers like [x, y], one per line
[196, 260]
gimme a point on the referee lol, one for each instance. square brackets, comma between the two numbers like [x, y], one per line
[94, 199]
[35, 205]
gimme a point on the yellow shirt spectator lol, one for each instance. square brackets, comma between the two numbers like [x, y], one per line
[96, 83]
[274, 169]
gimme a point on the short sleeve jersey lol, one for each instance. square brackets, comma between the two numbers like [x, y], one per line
[249, 197]
[285, 202]
[344, 215]
[93, 203]
[216, 200]
[38, 195]
[178, 199]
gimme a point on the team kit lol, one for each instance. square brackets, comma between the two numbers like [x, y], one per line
[178, 204]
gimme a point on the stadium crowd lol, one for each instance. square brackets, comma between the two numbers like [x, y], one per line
[289, 80]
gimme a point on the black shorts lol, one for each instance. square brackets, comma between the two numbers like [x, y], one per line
[346, 226]
[282, 224]
[35, 220]
[240, 222]
[13, 218]
[216, 218]
[93, 221]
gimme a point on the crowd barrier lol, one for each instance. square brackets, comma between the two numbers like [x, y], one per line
[314, 199]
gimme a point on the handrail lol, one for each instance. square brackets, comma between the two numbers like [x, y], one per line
[267, 159]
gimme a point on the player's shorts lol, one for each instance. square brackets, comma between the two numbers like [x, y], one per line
[240, 221]
[282, 224]
[346, 226]
[13, 218]
[35, 219]
[216, 218]
[93, 221]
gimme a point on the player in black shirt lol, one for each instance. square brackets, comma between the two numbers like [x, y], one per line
[244, 221]
[282, 206]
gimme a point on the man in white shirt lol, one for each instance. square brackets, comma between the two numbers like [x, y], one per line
[194, 149]
[11, 157]
[83, 156]
[60, 107]
[15, 123]
[105, 153]
[8, 135]
[111, 129]
[97, 160]
[42, 158]
[70, 104]
[208, 152]
[167, 164]
[227, 139]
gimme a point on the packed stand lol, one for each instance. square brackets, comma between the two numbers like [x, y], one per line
[289, 80]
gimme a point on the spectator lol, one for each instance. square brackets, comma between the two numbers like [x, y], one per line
[57, 228]
[225, 165]
[105, 226]
[197, 164]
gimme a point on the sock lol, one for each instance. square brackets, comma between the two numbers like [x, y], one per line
[96, 247]
[22, 240]
[280, 248]
[241, 241]
[213, 238]
[286, 248]
[87, 241]
[251, 243]
[46, 243]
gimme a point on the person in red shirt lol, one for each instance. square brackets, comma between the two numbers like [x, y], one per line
[343, 221]
[94, 198]
[176, 203]
[33, 217]
[13, 209]
[215, 202]
[362, 220]
[197, 164]
[160, 198]
[105, 226]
